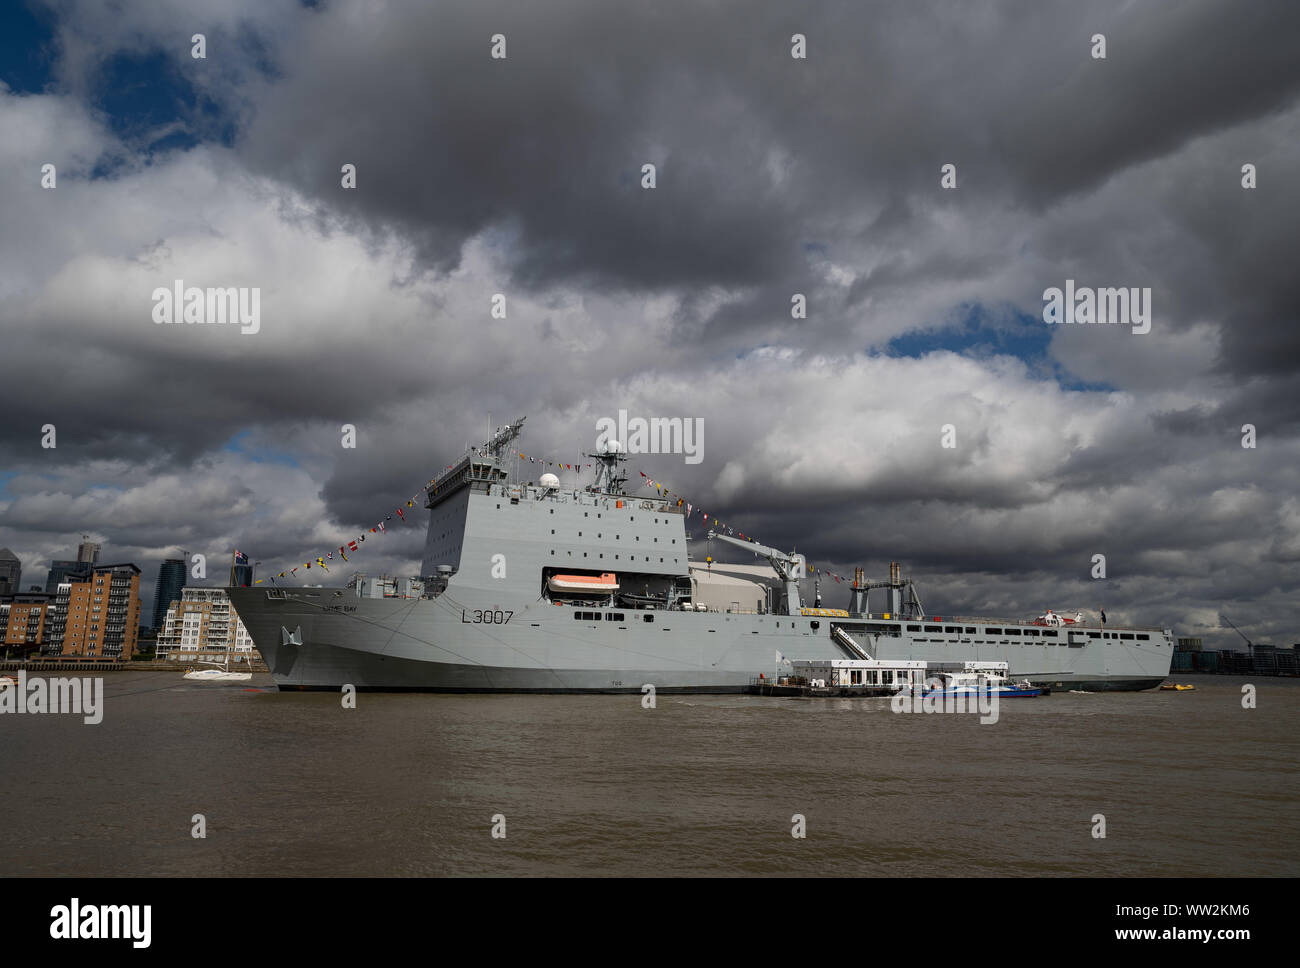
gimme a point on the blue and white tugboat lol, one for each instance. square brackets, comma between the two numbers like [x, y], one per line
[989, 678]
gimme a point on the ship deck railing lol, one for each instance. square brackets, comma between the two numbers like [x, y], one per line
[1004, 622]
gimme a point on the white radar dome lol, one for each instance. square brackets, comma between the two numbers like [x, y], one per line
[612, 447]
[548, 480]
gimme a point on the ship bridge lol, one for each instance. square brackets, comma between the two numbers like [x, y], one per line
[489, 529]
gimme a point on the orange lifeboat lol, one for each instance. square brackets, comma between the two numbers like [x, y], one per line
[602, 584]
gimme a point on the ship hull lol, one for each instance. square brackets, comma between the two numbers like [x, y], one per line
[466, 641]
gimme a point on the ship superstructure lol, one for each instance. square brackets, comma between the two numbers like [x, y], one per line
[531, 586]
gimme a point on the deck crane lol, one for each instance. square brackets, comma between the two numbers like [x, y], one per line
[789, 568]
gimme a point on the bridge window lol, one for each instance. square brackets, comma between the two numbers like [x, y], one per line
[1143, 637]
[952, 628]
[1126, 635]
[1094, 635]
[992, 631]
[971, 630]
[1011, 631]
[914, 628]
[934, 628]
[647, 618]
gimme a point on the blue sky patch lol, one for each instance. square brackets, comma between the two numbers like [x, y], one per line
[26, 47]
[973, 333]
[241, 444]
[141, 93]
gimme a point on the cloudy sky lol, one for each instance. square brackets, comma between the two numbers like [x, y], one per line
[775, 175]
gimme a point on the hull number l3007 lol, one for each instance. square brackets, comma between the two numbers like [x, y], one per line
[485, 617]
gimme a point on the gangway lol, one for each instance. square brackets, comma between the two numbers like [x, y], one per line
[849, 642]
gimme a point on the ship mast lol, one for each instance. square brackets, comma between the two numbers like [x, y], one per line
[609, 475]
[504, 436]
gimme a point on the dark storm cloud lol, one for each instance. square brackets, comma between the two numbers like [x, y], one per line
[548, 143]
[759, 154]
[1173, 72]
[775, 176]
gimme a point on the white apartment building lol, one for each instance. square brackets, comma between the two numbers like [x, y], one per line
[203, 627]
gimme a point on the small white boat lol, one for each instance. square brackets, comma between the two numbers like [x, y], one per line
[220, 674]
[602, 584]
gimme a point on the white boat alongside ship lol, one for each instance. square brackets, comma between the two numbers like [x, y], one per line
[221, 673]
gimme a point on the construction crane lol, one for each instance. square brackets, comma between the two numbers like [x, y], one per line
[1250, 646]
[789, 568]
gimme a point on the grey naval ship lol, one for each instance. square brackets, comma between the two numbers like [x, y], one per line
[530, 586]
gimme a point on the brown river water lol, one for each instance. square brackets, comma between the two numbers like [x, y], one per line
[1190, 784]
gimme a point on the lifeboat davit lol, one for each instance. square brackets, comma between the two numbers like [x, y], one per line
[602, 584]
